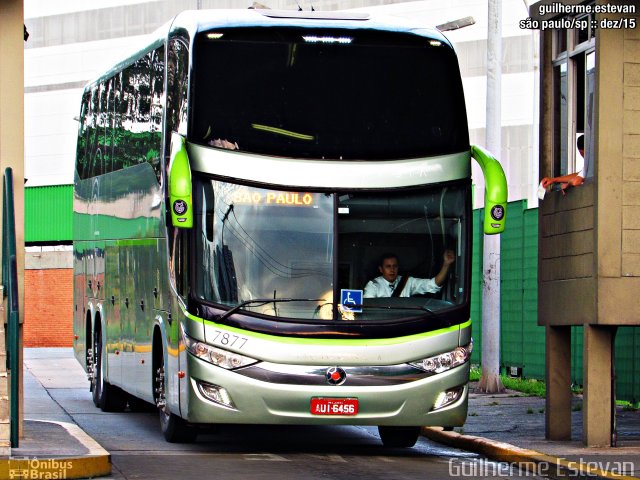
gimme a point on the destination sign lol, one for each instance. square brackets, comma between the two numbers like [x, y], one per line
[266, 197]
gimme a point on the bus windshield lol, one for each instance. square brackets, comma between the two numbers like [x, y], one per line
[254, 243]
[331, 94]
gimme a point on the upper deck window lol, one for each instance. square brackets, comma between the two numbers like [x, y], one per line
[327, 94]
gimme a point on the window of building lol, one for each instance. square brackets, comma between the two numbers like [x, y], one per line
[573, 96]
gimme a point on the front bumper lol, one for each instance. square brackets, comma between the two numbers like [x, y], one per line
[263, 402]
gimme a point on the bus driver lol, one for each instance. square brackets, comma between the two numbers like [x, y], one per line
[390, 284]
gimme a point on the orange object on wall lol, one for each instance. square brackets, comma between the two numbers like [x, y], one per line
[48, 300]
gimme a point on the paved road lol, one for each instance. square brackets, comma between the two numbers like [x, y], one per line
[244, 452]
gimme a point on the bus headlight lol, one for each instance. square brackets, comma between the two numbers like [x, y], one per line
[215, 394]
[445, 361]
[444, 399]
[217, 356]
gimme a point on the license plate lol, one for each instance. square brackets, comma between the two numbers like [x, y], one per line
[334, 406]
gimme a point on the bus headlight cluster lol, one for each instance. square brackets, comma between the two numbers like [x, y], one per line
[445, 361]
[217, 356]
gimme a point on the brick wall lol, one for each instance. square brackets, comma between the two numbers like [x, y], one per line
[48, 300]
[48, 297]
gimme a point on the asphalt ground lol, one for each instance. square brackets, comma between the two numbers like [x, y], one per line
[507, 428]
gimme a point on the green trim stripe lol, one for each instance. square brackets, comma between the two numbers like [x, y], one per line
[329, 341]
[282, 131]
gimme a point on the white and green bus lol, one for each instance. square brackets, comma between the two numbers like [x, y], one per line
[237, 181]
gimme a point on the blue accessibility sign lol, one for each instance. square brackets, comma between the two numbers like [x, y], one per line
[351, 300]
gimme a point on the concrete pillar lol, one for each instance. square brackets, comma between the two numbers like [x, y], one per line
[490, 381]
[558, 379]
[598, 399]
[12, 131]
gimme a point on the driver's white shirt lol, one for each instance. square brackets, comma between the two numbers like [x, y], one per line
[379, 287]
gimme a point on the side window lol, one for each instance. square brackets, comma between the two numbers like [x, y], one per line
[179, 263]
[204, 202]
[119, 109]
[92, 137]
[126, 119]
[109, 133]
[157, 100]
[177, 87]
[573, 99]
[136, 112]
[84, 132]
[100, 154]
[121, 119]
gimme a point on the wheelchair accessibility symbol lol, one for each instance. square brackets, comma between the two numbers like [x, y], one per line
[351, 300]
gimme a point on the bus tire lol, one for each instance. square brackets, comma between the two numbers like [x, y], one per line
[88, 341]
[105, 396]
[96, 379]
[174, 429]
[398, 437]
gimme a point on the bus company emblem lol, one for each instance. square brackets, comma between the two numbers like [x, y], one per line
[335, 376]
[180, 207]
[497, 212]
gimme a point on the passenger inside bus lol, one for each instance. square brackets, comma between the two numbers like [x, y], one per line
[391, 284]
[224, 143]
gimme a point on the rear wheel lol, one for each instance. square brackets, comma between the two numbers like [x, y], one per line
[174, 428]
[105, 395]
[398, 437]
[89, 360]
[96, 370]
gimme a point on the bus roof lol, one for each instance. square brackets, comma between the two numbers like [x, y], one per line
[305, 19]
[194, 21]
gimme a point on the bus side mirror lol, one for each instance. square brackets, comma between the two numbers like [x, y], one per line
[495, 191]
[180, 198]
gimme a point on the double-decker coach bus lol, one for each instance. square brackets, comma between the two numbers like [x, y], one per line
[237, 182]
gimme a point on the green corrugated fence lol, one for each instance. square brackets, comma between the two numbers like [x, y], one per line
[48, 216]
[522, 340]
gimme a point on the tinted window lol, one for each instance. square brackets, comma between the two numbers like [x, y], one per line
[177, 85]
[257, 243]
[82, 150]
[121, 119]
[329, 94]
[253, 243]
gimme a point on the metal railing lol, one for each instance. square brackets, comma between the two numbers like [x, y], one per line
[10, 282]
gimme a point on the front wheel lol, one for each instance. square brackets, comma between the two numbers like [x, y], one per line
[174, 429]
[398, 437]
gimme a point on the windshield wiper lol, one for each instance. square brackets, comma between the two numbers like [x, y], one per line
[263, 301]
[422, 308]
